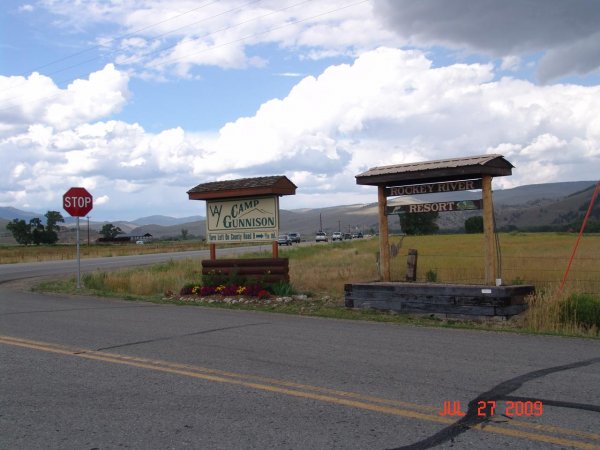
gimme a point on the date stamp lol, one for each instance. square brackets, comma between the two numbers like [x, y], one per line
[489, 408]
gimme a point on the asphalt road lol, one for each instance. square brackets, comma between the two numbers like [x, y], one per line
[83, 373]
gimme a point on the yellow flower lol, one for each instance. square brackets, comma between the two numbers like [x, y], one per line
[241, 290]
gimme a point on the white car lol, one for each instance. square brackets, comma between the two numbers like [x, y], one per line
[321, 236]
[336, 236]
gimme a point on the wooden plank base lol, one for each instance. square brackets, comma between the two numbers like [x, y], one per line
[446, 299]
[267, 270]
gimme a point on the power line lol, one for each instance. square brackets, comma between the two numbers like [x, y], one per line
[295, 22]
[123, 36]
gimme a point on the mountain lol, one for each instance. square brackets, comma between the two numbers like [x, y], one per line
[166, 220]
[9, 213]
[544, 213]
[536, 206]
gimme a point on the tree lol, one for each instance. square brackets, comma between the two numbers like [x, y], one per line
[109, 231]
[419, 223]
[474, 225]
[52, 227]
[36, 229]
[34, 232]
[184, 234]
[20, 230]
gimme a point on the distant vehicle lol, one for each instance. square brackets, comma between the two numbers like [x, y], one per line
[284, 239]
[295, 237]
[357, 235]
[347, 236]
[321, 236]
[139, 242]
[336, 236]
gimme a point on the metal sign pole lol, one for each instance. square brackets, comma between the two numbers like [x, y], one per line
[78, 258]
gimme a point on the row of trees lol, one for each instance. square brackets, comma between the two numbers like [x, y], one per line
[424, 223]
[35, 232]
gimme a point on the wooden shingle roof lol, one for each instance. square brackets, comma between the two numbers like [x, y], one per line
[436, 171]
[243, 187]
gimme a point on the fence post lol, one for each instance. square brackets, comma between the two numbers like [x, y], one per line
[411, 265]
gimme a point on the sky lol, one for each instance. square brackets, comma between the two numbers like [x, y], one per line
[140, 101]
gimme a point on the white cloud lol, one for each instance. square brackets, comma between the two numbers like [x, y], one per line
[220, 33]
[36, 100]
[388, 106]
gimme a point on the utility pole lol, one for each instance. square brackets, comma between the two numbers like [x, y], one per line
[88, 218]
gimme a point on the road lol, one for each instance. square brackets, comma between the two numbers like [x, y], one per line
[81, 373]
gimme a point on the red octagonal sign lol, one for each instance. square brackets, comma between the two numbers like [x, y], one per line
[77, 201]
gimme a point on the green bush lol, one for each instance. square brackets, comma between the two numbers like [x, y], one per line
[281, 289]
[431, 276]
[583, 309]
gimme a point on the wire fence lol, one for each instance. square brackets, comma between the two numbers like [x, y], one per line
[541, 271]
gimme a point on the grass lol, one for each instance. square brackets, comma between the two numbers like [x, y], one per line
[322, 270]
[10, 254]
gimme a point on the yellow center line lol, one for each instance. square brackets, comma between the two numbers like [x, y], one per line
[351, 399]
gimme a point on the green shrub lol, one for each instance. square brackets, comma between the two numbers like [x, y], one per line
[583, 309]
[431, 276]
[281, 289]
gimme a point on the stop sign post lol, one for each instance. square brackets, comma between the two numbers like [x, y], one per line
[78, 202]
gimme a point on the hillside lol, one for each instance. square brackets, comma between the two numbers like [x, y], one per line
[539, 206]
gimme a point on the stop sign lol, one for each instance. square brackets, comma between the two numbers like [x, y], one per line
[77, 201]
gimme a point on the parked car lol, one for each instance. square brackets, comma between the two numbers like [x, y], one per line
[357, 235]
[321, 236]
[336, 236]
[295, 237]
[284, 239]
[347, 236]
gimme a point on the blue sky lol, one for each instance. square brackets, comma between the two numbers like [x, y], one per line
[140, 101]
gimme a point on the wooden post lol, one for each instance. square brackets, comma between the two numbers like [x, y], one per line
[213, 251]
[411, 265]
[488, 231]
[275, 248]
[384, 240]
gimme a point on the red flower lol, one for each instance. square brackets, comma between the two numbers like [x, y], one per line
[263, 294]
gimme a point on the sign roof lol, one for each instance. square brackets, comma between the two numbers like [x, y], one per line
[436, 171]
[244, 187]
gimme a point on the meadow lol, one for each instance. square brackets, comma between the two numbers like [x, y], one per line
[322, 270]
[10, 254]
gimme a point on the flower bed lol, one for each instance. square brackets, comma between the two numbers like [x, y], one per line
[251, 290]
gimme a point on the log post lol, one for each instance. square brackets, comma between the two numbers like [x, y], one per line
[213, 251]
[411, 265]
[384, 240]
[275, 248]
[488, 231]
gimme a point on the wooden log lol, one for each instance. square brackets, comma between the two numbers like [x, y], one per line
[251, 262]
[411, 265]
[384, 240]
[245, 270]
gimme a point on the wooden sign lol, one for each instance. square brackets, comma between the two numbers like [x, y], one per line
[450, 206]
[242, 220]
[433, 188]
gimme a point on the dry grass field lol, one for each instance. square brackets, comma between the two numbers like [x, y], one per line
[322, 270]
[10, 254]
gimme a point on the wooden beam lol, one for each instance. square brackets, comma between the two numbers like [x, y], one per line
[488, 232]
[213, 251]
[384, 240]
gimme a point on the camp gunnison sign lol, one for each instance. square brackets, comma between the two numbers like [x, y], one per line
[242, 219]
